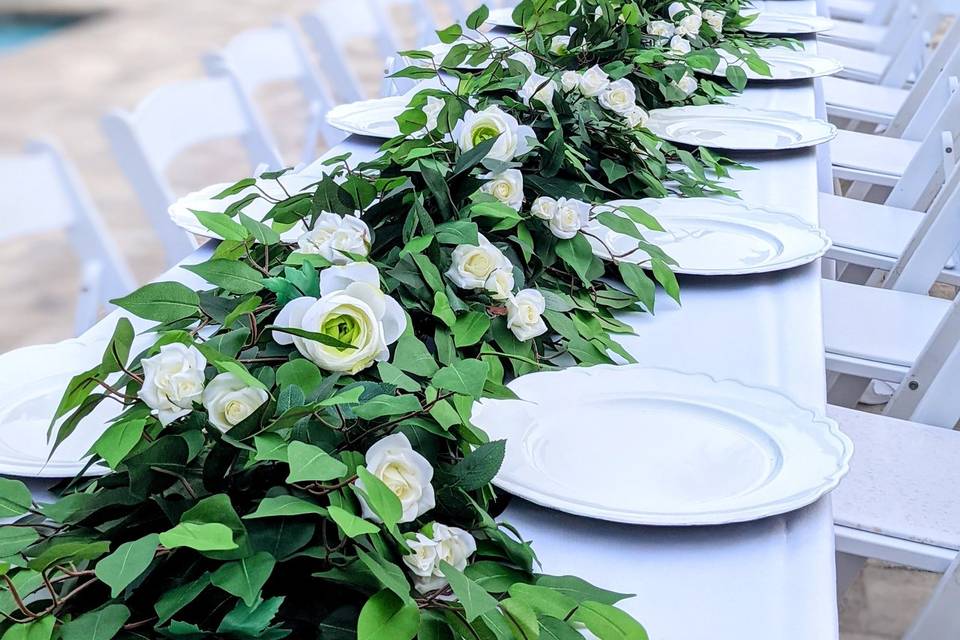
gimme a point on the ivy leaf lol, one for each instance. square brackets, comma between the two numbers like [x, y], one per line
[125, 565]
[470, 329]
[177, 598]
[463, 376]
[411, 355]
[102, 624]
[386, 617]
[442, 310]
[391, 374]
[161, 301]
[381, 500]
[285, 506]
[41, 629]
[477, 17]
[211, 536]
[351, 525]
[245, 578]
[249, 622]
[309, 463]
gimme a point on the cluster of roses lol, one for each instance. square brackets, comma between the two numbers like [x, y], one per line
[688, 22]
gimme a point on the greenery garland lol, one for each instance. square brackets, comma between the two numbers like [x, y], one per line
[294, 455]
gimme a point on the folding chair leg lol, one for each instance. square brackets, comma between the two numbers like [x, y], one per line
[940, 618]
[855, 274]
[88, 302]
[846, 390]
[848, 568]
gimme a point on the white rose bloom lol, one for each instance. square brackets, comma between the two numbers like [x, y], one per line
[432, 109]
[570, 81]
[636, 117]
[687, 84]
[544, 207]
[526, 59]
[714, 19]
[173, 381]
[229, 400]
[478, 126]
[690, 26]
[570, 217]
[678, 44]
[537, 87]
[405, 472]
[507, 187]
[559, 45]
[660, 28]
[500, 284]
[447, 544]
[593, 81]
[525, 314]
[351, 309]
[620, 96]
[472, 265]
[680, 7]
[332, 234]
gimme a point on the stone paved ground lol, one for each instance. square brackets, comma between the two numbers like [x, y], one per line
[62, 85]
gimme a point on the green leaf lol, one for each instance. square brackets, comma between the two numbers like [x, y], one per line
[581, 590]
[521, 618]
[211, 536]
[125, 565]
[249, 305]
[179, 597]
[260, 232]
[474, 598]
[309, 463]
[442, 310]
[102, 624]
[608, 622]
[544, 600]
[613, 170]
[351, 525]
[458, 231]
[302, 373]
[553, 629]
[379, 497]
[118, 349]
[478, 17]
[285, 506]
[391, 374]
[388, 574]
[638, 282]
[464, 376]
[40, 629]
[249, 622]
[578, 254]
[270, 446]
[493, 576]
[234, 276]
[450, 34]
[666, 278]
[417, 245]
[222, 225]
[245, 578]
[470, 329]
[641, 217]
[736, 76]
[161, 301]
[411, 355]
[386, 617]
[478, 467]
[322, 338]
[118, 440]
[13, 540]
[384, 405]
[15, 499]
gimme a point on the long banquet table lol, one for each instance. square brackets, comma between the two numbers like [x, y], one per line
[769, 579]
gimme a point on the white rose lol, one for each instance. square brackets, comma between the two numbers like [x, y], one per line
[500, 284]
[173, 381]
[476, 127]
[351, 309]
[660, 28]
[714, 19]
[525, 314]
[570, 80]
[445, 544]
[432, 110]
[526, 59]
[679, 45]
[593, 81]
[680, 7]
[636, 117]
[405, 472]
[507, 187]
[537, 87]
[559, 45]
[229, 400]
[332, 234]
[570, 217]
[544, 207]
[687, 84]
[690, 26]
[620, 96]
[472, 265]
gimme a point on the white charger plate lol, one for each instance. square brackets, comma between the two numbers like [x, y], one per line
[785, 64]
[717, 236]
[374, 118]
[724, 126]
[777, 23]
[653, 446]
[181, 211]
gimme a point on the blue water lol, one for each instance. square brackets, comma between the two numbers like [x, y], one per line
[15, 32]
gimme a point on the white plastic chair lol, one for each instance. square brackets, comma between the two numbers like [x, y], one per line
[168, 122]
[259, 57]
[40, 192]
[883, 38]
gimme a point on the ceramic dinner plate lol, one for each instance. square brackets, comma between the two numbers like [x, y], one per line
[724, 126]
[785, 64]
[654, 446]
[777, 23]
[181, 211]
[374, 118]
[717, 236]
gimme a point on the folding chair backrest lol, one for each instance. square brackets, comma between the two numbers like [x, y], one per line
[331, 30]
[909, 59]
[168, 122]
[419, 12]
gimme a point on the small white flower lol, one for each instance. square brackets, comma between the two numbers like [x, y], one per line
[445, 544]
[690, 26]
[526, 59]
[432, 110]
[500, 284]
[351, 309]
[593, 81]
[687, 84]
[680, 7]
[660, 28]
[636, 117]
[559, 45]
[473, 264]
[332, 234]
[393, 461]
[571, 216]
[678, 44]
[229, 400]
[714, 19]
[570, 81]
[620, 96]
[507, 187]
[172, 381]
[538, 87]
[476, 127]
[544, 207]
[525, 314]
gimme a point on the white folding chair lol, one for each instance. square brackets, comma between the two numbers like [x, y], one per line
[883, 38]
[259, 57]
[40, 192]
[899, 504]
[867, 11]
[172, 119]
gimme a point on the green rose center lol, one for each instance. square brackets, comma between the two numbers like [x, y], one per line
[344, 328]
[484, 132]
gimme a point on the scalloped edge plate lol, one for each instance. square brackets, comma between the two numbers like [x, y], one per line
[786, 65]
